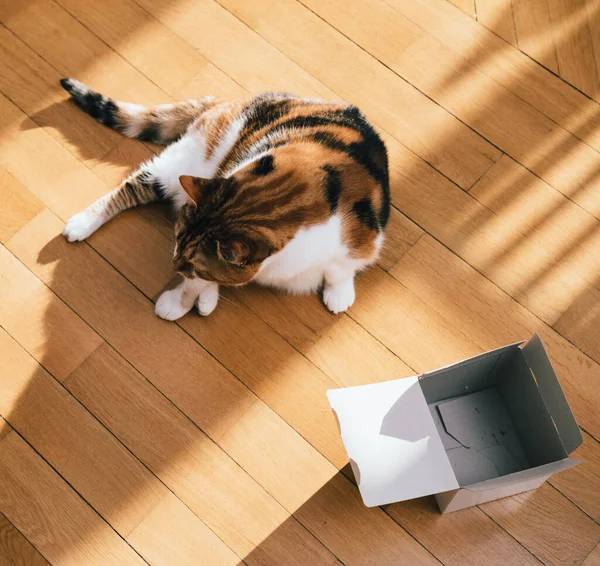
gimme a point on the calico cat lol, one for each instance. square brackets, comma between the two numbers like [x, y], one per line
[284, 191]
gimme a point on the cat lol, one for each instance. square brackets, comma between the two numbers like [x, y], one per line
[284, 191]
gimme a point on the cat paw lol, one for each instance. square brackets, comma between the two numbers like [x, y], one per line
[208, 299]
[82, 225]
[339, 298]
[170, 305]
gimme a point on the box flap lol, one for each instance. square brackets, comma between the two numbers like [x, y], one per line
[392, 441]
[466, 376]
[479, 357]
[524, 475]
[552, 393]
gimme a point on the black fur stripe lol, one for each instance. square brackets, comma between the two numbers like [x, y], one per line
[363, 209]
[93, 103]
[264, 166]
[370, 152]
[151, 183]
[384, 211]
[150, 133]
[367, 154]
[333, 187]
[266, 110]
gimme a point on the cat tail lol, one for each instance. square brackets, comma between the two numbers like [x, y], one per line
[161, 124]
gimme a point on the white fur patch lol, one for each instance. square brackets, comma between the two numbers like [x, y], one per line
[302, 265]
[208, 299]
[175, 303]
[136, 118]
[339, 298]
[82, 225]
[187, 156]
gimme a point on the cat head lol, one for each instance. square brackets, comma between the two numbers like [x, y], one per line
[215, 239]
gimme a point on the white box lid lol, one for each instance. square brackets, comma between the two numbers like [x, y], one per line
[392, 441]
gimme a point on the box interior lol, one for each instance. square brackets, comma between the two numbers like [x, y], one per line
[491, 417]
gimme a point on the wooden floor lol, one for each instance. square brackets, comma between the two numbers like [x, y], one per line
[562, 35]
[125, 439]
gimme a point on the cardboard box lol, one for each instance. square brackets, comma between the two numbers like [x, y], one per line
[485, 428]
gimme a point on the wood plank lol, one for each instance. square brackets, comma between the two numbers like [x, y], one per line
[593, 21]
[363, 21]
[531, 518]
[43, 166]
[492, 110]
[593, 558]
[400, 234]
[19, 206]
[546, 246]
[579, 323]
[497, 17]
[338, 508]
[574, 46]
[464, 538]
[337, 345]
[530, 248]
[33, 85]
[62, 431]
[467, 6]
[4, 428]
[534, 31]
[53, 334]
[582, 483]
[151, 47]
[481, 49]
[172, 534]
[77, 52]
[274, 371]
[15, 549]
[237, 49]
[200, 473]
[412, 323]
[336, 62]
[51, 515]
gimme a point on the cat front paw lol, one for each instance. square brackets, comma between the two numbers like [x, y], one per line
[171, 306]
[339, 298]
[82, 225]
[208, 299]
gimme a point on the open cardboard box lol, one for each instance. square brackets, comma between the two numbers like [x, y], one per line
[485, 428]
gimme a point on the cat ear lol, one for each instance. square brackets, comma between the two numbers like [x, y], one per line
[196, 187]
[240, 252]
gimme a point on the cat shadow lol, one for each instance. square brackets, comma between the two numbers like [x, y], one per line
[87, 139]
[48, 254]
